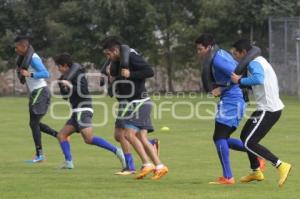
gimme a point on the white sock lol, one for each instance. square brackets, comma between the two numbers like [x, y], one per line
[147, 164]
[278, 163]
[159, 166]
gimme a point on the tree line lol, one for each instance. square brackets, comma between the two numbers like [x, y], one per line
[163, 31]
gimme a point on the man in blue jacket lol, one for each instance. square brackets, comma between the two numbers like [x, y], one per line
[230, 107]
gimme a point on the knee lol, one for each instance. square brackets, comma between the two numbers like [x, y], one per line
[88, 139]
[62, 137]
[243, 138]
[217, 137]
[129, 135]
[33, 124]
[249, 144]
[144, 139]
[119, 136]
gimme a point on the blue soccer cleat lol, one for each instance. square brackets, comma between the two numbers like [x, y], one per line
[36, 159]
[68, 164]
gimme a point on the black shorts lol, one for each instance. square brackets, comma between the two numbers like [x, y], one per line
[81, 120]
[136, 113]
[39, 101]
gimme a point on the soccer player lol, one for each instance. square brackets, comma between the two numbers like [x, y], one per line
[263, 80]
[39, 99]
[230, 107]
[134, 105]
[119, 131]
[76, 91]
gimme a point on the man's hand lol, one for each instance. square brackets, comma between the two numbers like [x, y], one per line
[235, 78]
[111, 78]
[216, 92]
[108, 69]
[66, 83]
[25, 73]
[125, 73]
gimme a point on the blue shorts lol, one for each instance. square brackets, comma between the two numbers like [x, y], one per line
[131, 126]
[230, 112]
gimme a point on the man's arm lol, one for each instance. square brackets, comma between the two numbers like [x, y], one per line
[257, 75]
[40, 69]
[223, 64]
[139, 68]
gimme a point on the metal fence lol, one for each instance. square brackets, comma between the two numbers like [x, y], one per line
[283, 54]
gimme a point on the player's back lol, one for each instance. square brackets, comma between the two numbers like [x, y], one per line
[80, 96]
[223, 66]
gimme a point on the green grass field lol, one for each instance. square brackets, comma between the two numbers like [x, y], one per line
[187, 149]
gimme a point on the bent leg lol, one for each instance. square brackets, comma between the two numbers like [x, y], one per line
[137, 145]
[63, 140]
[48, 130]
[143, 137]
[89, 138]
[125, 145]
[236, 144]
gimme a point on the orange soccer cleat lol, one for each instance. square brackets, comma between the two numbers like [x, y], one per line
[223, 181]
[145, 171]
[158, 173]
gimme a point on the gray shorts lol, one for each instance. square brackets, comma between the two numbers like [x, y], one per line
[39, 101]
[136, 113]
[81, 120]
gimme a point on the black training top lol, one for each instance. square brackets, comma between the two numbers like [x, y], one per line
[80, 96]
[132, 88]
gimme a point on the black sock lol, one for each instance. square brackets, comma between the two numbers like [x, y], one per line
[48, 130]
[36, 133]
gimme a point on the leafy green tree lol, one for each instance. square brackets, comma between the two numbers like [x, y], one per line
[175, 33]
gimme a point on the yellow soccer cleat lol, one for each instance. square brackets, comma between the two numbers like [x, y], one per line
[160, 173]
[255, 175]
[283, 170]
[145, 171]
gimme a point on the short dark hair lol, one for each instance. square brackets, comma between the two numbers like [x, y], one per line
[242, 44]
[64, 58]
[23, 38]
[205, 39]
[111, 42]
